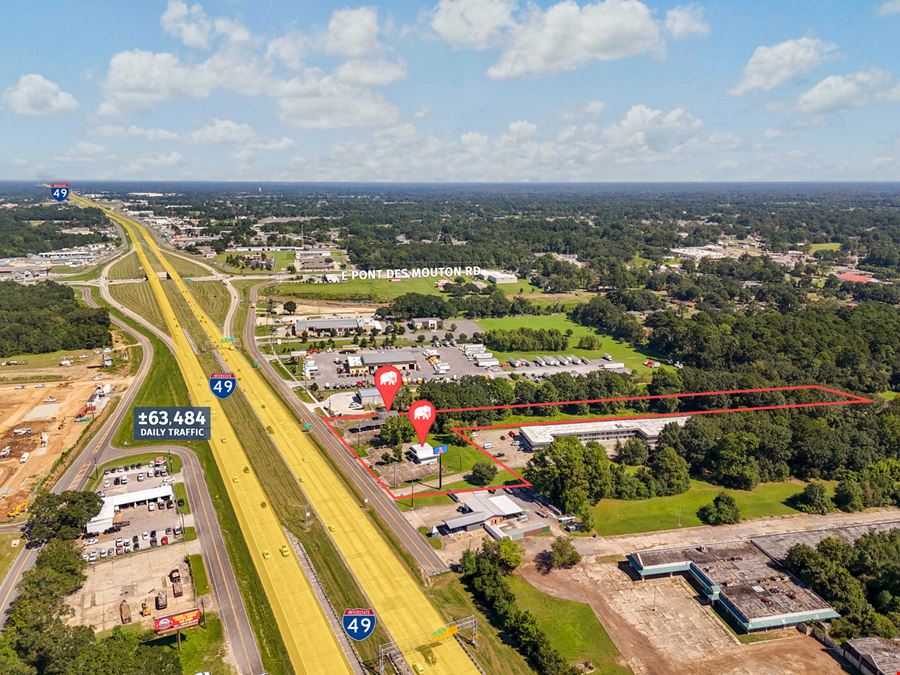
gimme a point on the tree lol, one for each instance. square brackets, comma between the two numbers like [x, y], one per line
[483, 473]
[563, 553]
[733, 463]
[396, 430]
[290, 307]
[848, 495]
[720, 511]
[814, 499]
[633, 452]
[509, 555]
[669, 472]
[61, 516]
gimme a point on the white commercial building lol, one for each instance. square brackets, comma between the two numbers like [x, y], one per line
[647, 429]
[104, 520]
[496, 277]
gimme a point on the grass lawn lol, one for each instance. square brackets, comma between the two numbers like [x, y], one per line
[8, 553]
[127, 267]
[620, 351]
[494, 655]
[181, 493]
[198, 573]
[139, 299]
[203, 648]
[190, 533]
[283, 260]
[186, 268]
[434, 541]
[829, 246]
[374, 290]
[416, 502]
[213, 297]
[572, 627]
[889, 395]
[622, 516]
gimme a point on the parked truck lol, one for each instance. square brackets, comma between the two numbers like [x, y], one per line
[177, 590]
[162, 600]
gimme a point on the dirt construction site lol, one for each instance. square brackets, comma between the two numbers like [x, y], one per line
[659, 625]
[38, 419]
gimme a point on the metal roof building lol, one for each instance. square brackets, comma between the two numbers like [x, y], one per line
[607, 430]
[104, 520]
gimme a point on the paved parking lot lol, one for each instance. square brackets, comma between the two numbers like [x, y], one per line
[149, 527]
[136, 579]
[334, 375]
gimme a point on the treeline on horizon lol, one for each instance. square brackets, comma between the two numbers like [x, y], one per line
[38, 228]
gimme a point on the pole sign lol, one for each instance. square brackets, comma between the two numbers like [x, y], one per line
[440, 450]
[358, 623]
[185, 619]
[59, 191]
[222, 384]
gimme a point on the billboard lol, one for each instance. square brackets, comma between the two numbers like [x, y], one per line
[185, 619]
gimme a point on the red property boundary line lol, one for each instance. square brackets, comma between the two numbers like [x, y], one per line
[847, 399]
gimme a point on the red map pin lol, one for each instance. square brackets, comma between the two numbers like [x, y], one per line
[388, 382]
[421, 415]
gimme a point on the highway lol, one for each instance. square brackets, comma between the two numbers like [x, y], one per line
[399, 602]
[421, 550]
[308, 638]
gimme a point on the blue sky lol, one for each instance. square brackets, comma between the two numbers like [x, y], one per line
[451, 90]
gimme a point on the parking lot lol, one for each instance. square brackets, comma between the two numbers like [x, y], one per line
[331, 373]
[137, 579]
[140, 526]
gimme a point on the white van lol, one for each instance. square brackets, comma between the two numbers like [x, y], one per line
[5, 451]
[24, 457]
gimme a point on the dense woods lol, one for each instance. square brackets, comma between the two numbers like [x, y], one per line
[45, 317]
[35, 229]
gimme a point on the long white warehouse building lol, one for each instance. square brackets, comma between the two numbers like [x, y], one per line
[607, 430]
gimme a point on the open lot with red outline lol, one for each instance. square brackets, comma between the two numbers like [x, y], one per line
[846, 399]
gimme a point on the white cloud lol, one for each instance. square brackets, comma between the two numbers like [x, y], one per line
[774, 65]
[233, 31]
[893, 94]
[155, 159]
[888, 7]
[840, 92]
[237, 133]
[36, 95]
[352, 32]
[650, 129]
[771, 134]
[566, 36]
[328, 104]
[422, 111]
[594, 107]
[686, 20]
[370, 73]
[289, 49]
[133, 131]
[223, 131]
[521, 130]
[475, 24]
[188, 23]
[85, 152]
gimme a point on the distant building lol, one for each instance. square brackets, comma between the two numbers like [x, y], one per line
[400, 359]
[497, 277]
[427, 323]
[355, 366]
[336, 326]
[873, 655]
[369, 396]
[648, 429]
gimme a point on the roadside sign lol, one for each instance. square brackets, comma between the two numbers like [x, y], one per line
[440, 449]
[222, 384]
[59, 191]
[358, 623]
[185, 619]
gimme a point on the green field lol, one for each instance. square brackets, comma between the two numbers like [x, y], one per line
[830, 246]
[138, 297]
[494, 655]
[620, 351]
[624, 516]
[374, 290]
[283, 260]
[127, 267]
[572, 627]
[7, 552]
[198, 573]
[186, 268]
[213, 297]
[45, 360]
[203, 648]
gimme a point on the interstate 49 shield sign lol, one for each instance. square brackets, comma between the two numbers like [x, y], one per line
[222, 384]
[358, 623]
[59, 191]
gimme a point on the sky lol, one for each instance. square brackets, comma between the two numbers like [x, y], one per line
[451, 90]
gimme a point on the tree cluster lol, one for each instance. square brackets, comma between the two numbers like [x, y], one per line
[45, 317]
[484, 574]
[861, 580]
[525, 339]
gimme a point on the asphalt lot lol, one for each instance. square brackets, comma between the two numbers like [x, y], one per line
[332, 367]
